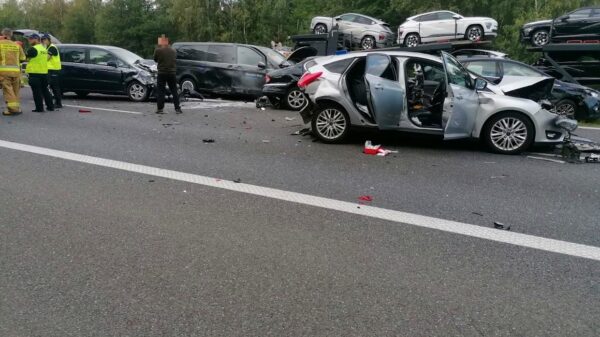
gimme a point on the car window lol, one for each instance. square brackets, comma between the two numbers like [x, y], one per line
[193, 52]
[515, 69]
[248, 56]
[596, 13]
[100, 57]
[445, 16]
[221, 53]
[457, 74]
[338, 67]
[381, 66]
[348, 17]
[431, 71]
[580, 14]
[363, 20]
[429, 17]
[483, 68]
[73, 55]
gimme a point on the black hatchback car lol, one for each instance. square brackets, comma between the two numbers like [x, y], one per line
[569, 99]
[581, 24]
[106, 70]
[228, 70]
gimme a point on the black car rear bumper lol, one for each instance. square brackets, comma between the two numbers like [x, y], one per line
[275, 89]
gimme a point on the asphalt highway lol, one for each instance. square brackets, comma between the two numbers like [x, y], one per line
[106, 247]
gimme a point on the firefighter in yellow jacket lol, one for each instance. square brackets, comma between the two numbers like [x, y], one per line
[11, 56]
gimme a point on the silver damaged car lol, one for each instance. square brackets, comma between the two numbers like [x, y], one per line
[421, 93]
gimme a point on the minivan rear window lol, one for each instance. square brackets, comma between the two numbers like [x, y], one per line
[73, 55]
[221, 53]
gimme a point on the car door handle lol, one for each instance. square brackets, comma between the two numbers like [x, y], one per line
[379, 86]
[459, 98]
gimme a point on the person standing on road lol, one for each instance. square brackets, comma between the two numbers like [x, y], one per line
[166, 56]
[37, 68]
[54, 67]
[11, 56]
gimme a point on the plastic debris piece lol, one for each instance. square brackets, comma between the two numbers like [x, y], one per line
[166, 125]
[289, 119]
[238, 180]
[208, 140]
[376, 150]
[476, 213]
[547, 159]
[85, 110]
[592, 158]
[151, 180]
[366, 198]
[499, 177]
[499, 225]
[266, 141]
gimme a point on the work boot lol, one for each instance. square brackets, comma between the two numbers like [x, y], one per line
[161, 111]
[178, 111]
[40, 111]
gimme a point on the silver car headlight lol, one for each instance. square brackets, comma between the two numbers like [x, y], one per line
[567, 124]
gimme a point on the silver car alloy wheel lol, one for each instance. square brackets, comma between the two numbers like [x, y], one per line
[367, 43]
[509, 134]
[188, 85]
[295, 99]
[137, 91]
[412, 41]
[320, 29]
[566, 110]
[475, 33]
[541, 38]
[331, 123]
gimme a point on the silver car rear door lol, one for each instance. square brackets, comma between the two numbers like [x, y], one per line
[462, 102]
[385, 93]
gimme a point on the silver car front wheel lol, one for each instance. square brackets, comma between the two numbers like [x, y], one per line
[475, 33]
[509, 133]
[330, 124]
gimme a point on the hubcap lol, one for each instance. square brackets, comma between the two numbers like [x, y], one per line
[509, 134]
[367, 43]
[567, 110]
[320, 29]
[137, 91]
[541, 38]
[412, 41]
[296, 99]
[474, 33]
[187, 85]
[331, 124]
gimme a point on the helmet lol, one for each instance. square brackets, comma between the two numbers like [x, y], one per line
[46, 37]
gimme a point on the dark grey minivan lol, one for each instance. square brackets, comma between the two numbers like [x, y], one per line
[228, 70]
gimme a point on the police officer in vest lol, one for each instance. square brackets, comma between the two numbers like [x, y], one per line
[54, 67]
[37, 69]
[11, 56]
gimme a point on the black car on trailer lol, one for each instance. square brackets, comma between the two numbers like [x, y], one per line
[106, 70]
[580, 24]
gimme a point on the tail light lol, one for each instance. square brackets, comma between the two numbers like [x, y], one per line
[267, 78]
[308, 78]
[381, 37]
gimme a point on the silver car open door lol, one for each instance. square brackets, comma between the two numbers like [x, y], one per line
[462, 102]
[385, 93]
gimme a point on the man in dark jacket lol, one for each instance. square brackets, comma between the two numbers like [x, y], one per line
[165, 56]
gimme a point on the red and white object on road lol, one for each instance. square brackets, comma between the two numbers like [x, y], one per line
[376, 150]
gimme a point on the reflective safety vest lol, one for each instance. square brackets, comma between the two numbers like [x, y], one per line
[11, 55]
[54, 62]
[38, 64]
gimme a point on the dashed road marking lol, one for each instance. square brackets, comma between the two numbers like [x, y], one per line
[398, 217]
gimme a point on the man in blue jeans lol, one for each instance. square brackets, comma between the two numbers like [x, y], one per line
[165, 57]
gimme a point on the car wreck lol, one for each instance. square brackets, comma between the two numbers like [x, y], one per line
[420, 93]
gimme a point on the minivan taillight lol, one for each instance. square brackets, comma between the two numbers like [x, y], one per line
[267, 78]
[308, 78]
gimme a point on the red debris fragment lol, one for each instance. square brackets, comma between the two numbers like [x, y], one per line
[366, 198]
[84, 111]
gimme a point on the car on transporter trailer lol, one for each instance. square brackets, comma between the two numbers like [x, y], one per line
[580, 24]
[421, 93]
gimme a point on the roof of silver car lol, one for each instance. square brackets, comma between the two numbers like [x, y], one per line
[334, 58]
[442, 11]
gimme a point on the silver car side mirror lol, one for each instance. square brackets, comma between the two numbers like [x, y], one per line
[480, 84]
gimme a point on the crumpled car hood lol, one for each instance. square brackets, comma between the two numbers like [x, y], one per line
[533, 88]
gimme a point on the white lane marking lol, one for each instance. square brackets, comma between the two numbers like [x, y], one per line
[588, 128]
[547, 159]
[103, 109]
[212, 104]
[523, 240]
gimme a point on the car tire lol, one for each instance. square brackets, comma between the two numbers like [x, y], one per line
[508, 133]
[412, 40]
[82, 94]
[188, 83]
[320, 28]
[330, 123]
[474, 33]
[137, 92]
[368, 43]
[294, 99]
[566, 108]
[540, 37]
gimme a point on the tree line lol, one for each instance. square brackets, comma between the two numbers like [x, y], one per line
[136, 24]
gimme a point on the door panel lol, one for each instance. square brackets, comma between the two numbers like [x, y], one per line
[74, 69]
[104, 78]
[385, 94]
[462, 104]
[220, 69]
[249, 77]
[574, 25]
